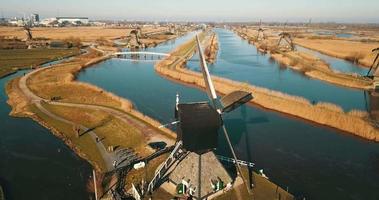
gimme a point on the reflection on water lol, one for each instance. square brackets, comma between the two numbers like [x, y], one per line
[319, 162]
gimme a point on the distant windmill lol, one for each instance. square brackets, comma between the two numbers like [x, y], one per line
[260, 33]
[285, 40]
[135, 36]
[198, 125]
[28, 32]
[374, 69]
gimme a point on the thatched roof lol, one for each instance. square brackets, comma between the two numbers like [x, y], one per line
[211, 169]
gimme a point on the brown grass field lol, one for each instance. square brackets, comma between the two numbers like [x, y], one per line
[86, 34]
[12, 60]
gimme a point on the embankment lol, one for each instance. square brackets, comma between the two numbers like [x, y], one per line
[354, 122]
[310, 65]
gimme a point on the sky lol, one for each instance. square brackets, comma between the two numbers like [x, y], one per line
[353, 11]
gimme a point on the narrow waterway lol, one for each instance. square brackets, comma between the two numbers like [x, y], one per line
[318, 162]
[336, 63]
[34, 164]
[240, 61]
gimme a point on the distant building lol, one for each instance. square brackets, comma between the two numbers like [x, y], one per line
[3, 21]
[16, 22]
[98, 23]
[34, 19]
[73, 20]
[49, 22]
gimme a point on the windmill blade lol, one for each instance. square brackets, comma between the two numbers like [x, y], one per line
[207, 77]
[213, 97]
[238, 166]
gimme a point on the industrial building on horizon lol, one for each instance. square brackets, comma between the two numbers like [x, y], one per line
[34, 20]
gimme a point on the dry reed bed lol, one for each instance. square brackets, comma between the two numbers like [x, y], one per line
[359, 52]
[317, 70]
[331, 115]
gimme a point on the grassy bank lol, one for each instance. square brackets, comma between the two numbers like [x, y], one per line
[354, 122]
[14, 59]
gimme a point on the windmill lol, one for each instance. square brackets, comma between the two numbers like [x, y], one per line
[372, 97]
[28, 33]
[260, 33]
[135, 42]
[192, 163]
[374, 69]
[285, 40]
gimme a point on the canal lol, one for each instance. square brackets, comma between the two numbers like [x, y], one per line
[311, 160]
[34, 164]
[238, 60]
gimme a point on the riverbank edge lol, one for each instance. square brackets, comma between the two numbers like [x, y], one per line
[324, 114]
[130, 111]
[332, 77]
[34, 116]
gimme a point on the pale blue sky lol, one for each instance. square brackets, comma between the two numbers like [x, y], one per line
[195, 10]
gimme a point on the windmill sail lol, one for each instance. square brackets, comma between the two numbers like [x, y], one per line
[213, 97]
[207, 77]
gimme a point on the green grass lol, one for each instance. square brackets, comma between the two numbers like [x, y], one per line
[13, 59]
[84, 143]
[113, 130]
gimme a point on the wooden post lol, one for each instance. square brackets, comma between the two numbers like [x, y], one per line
[94, 183]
